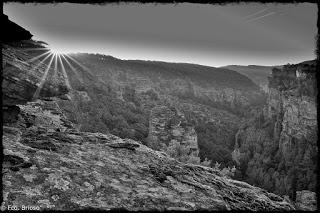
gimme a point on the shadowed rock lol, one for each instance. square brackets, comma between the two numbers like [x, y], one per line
[12, 31]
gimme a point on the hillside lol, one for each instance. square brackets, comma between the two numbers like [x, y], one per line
[258, 74]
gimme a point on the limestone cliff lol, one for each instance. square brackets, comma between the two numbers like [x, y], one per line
[279, 146]
[49, 165]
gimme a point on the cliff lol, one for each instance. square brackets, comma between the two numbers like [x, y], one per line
[48, 164]
[279, 146]
[169, 128]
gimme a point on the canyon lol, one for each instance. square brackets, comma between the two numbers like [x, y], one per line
[97, 132]
[49, 164]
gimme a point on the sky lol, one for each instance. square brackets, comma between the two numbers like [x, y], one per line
[213, 35]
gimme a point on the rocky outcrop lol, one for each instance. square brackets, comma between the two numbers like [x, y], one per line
[48, 165]
[298, 119]
[168, 126]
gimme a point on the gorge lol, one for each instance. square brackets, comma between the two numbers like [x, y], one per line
[146, 133]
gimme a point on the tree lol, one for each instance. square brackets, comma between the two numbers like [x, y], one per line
[226, 171]
[236, 156]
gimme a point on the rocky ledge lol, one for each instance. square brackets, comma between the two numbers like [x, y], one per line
[49, 165]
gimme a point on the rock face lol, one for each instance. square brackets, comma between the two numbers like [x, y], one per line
[297, 125]
[167, 126]
[281, 143]
[50, 165]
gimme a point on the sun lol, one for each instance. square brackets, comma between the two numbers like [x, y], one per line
[58, 51]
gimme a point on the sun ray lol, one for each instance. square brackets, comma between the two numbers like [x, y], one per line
[85, 69]
[74, 70]
[39, 63]
[55, 65]
[37, 57]
[78, 63]
[43, 80]
[64, 73]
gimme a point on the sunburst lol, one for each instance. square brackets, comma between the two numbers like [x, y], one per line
[73, 69]
[57, 58]
[43, 80]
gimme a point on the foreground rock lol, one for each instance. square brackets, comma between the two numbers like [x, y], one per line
[49, 164]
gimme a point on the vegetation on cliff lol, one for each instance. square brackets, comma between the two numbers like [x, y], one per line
[278, 146]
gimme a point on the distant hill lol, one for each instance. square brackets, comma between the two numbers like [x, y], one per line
[258, 74]
[204, 75]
